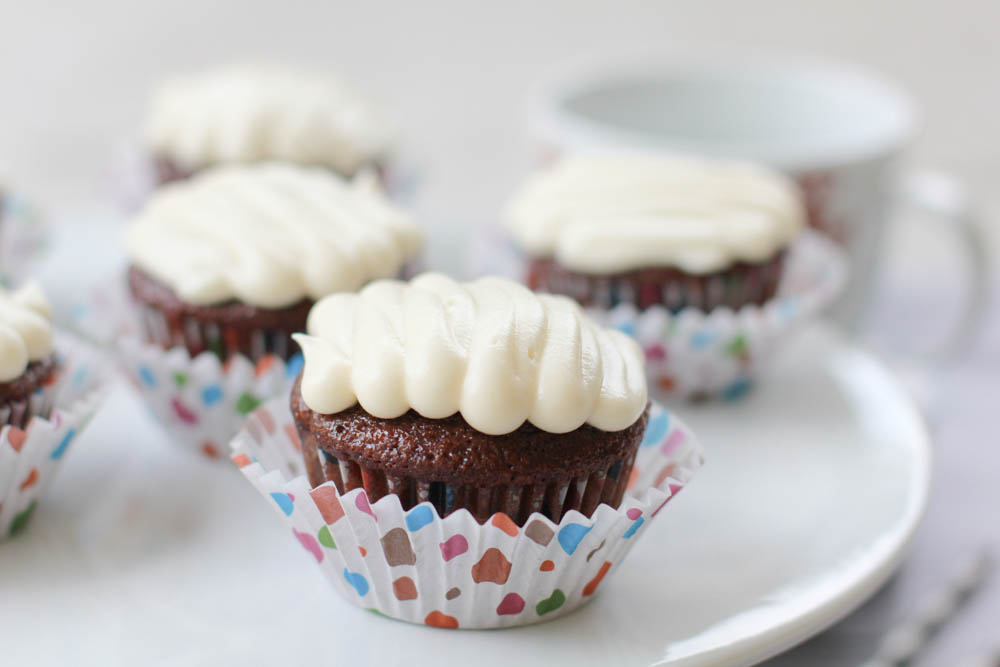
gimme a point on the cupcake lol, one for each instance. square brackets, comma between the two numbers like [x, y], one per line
[480, 396]
[48, 393]
[255, 113]
[27, 361]
[642, 229]
[232, 260]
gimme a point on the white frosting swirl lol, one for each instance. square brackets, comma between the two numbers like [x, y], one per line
[604, 214]
[249, 113]
[25, 329]
[269, 235]
[491, 349]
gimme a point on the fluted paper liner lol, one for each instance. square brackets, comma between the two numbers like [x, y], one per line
[30, 457]
[454, 572]
[200, 401]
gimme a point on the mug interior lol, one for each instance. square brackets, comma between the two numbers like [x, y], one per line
[793, 117]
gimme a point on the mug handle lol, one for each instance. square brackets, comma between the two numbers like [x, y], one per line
[944, 199]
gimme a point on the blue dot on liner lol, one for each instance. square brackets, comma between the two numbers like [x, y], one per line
[80, 376]
[63, 444]
[211, 394]
[634, 527]
[627, 328]
[570, 536]
[702, 339]
[294, 365]
[357, 581]
[284, 502]
[147, 376]
[737, 389]
[418, 518]
[656, 430]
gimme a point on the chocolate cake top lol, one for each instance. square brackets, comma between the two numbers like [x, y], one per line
[257, 112]
[269, 235]
[25, 329]
[609, 213]
[491, 350]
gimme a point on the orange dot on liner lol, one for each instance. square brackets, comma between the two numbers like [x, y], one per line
[363, 551]
[208, 449]
[241, 460]
[666, 383]
[547, 566]
[30, 480]
[504, 523]
[593, 583]
[438, 619]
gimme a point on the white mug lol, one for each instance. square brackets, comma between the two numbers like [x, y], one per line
[835, 129]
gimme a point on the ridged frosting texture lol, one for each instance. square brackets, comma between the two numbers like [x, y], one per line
[248, 113]
[25, 329]
[608, 213]
[269, 235]
[490, 349]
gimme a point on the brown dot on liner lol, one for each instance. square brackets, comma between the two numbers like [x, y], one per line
[599, 547]
[539, 533]
[452, 593]
[404, 589]
[493, 567]
[397, 548]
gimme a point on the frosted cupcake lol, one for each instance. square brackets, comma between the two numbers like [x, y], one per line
[27, 359]
[232, 260]
[656, 230]
[482, 396]
[48, 393]
[255, 113]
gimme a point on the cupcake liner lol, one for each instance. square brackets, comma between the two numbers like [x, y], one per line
[196, 335]
[695, 355]
[30, 457]
[199, 400]
[553, 499]
[23, 234]
[456, 572]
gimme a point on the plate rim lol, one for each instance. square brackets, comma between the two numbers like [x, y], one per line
[881, 564]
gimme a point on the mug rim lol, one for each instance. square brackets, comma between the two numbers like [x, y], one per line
[554, 124]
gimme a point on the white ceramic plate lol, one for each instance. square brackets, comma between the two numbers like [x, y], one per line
[144, 554]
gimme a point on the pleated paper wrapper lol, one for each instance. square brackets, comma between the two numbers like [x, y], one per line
[453, 572]
[30, 457]
[694, 354]
[201, 402]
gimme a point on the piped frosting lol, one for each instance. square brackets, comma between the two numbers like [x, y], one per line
[608, 213]
[270, 235]
[25, 329]
[491, 350]
[250, 113]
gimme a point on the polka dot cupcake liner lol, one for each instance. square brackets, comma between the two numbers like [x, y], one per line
[200, 401]
[30, 457]
[455, 572]
[695, 355]
[23, 237]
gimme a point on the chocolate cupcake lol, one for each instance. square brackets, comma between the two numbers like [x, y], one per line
[246, 113]
[232, 260]
[653, 230]
[27, 361]
[480, 396]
